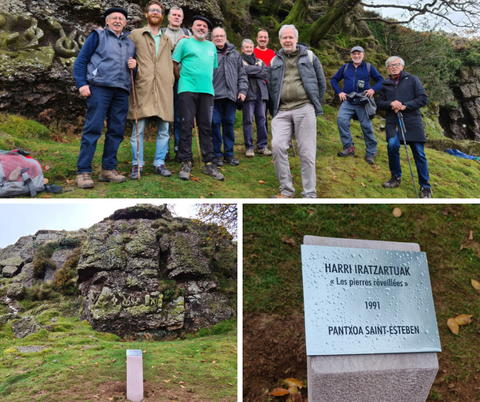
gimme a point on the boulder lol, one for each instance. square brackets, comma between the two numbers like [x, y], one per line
[10, 271]
[25, 277]
[26, 326]
[15, 291]
[58, 258]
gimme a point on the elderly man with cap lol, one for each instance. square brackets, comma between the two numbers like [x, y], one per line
[102, 74]
[356, 92]
[198, 58]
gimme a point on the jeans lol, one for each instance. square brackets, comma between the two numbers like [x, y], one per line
[345, 114]
[258, 108]
[104, 102]
[200, 106]
[418, 155]
[223, 117]
[303, 123]
[161, 147]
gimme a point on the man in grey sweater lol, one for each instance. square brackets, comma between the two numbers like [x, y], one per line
[296, 84]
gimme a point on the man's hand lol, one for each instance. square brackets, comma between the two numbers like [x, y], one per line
[85, 91]
[369, 93]
[342, 96]
[397, 105]
[242, 97]
[182, 37]
[132, 63]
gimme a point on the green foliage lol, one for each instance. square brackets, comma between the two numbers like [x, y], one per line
[224, 215]
[41, 259]
[20, 127]
[170, 290]
[40, 292]
[470, 53]
[221, 328]
[66, 277]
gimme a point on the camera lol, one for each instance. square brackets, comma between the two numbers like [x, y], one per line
[360, 84]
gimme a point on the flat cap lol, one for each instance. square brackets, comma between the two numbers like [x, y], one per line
[115, 10]
[199, 17]
[357, 49]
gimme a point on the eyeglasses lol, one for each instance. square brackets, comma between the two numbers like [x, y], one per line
[394, 65]
[116, 18]
[155, 11]
[219, 36]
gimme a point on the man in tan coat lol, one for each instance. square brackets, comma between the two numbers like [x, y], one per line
[153, 87]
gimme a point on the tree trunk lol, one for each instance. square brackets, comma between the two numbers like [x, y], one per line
[335, 12]
[298, 13]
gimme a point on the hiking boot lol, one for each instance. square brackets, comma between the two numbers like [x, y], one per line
[185, 170]
[162, 171]
[349, 150]
[393, 182]
[425, 192]
[111, 176]
[134, 174]
[264, 151]
[370, 160]
[218, 161]
[231, 160]
[84, 180]
[212, 170]
[282, 196]
[249, 153]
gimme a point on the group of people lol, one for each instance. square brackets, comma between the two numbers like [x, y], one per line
[181, 77]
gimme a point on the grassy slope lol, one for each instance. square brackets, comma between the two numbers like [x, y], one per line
[272, 268]
[198, 368]
[255, 178]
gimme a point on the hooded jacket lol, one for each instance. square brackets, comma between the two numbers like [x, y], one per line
[410, 92]
[229, 79]
[312, 75]
[155, 79]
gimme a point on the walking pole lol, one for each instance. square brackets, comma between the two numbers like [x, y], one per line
[403, 131]
[293, 148]
[198, 142]
[136, 125]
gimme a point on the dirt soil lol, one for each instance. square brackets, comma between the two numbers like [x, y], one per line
[274, 349]
[116, 391]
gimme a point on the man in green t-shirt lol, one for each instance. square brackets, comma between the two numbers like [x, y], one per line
[198, 58]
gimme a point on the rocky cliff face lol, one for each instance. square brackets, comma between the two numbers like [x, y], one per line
[39, 41]
[463, 123]
[139, 270]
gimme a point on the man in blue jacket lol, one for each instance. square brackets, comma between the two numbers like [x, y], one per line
[296, 84]
[230, 83]
[102, 75]
[356, 78]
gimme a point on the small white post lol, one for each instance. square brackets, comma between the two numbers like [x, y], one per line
[134, 375]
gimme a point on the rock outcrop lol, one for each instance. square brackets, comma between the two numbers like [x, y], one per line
[39, 41]
[139, 270]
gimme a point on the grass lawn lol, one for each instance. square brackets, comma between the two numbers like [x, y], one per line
[253, 178]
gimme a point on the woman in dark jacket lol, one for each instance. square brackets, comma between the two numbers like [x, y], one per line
[255, 102]
[404, 92]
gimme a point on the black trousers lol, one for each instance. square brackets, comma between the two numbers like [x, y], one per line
[192, 105]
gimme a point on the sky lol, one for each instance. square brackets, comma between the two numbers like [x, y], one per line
[417, 23]
[25, 217]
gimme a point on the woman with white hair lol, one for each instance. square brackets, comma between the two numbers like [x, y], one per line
[404, 92]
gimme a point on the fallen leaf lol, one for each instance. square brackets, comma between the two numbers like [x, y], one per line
[46, 168]
[279, 392]
[292, 382]
[434, 233]
[70, 181]
[334, 177]
[475, 284]
[45, 180]
[167, 381]
[293, 390]
[397, 212]
[470, 236]
[289, 241]
[463, 319]
[363, 185]
[214, 362]
[453, 325]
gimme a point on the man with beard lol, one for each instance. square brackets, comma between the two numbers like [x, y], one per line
[102, 75]
[176, 33]
[153, 87]
[296, 83]
[198, 58]
[230, 84]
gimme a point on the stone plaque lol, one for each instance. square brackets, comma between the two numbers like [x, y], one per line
[365, 301]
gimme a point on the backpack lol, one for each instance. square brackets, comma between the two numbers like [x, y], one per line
[185, 31]
[369, 67]
[20, 174]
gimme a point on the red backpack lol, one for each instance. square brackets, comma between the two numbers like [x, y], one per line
[20, 174]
